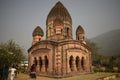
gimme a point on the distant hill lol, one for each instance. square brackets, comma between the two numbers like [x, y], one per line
[109, 43]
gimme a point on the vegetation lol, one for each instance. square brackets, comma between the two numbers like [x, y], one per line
[96, 57]
[11, 53]
[103, 63]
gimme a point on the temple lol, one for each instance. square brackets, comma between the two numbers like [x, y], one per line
[59, 54]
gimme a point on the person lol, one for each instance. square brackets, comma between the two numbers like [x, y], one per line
[17, 70]
[33, 71]
[12, 72]
[1, 73]
[5, 72]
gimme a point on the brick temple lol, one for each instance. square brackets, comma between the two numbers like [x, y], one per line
[59, 54]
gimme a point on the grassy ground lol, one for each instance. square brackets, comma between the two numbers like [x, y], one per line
[92, 76]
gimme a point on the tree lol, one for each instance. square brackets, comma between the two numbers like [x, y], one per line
[114, 61]
[96, 58]
[107, 61]
[11, 53]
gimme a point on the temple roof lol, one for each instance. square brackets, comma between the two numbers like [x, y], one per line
[38, 31]
[79, 30]
[59, 11]
[58, 21]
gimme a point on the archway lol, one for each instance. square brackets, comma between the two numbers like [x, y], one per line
[46, 63]
[77, 63]
[67, 31]
[83, 63]
[71, 62]
[40, 63]
[35, 61]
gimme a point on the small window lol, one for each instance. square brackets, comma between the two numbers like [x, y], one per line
[67, 31]
[39, 39]
[55, 31]
[61, 30]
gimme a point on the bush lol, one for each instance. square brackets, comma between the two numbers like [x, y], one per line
[102, 69]
[95, 69]
[109, 70]
[115, 69]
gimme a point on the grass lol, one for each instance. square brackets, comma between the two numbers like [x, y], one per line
[92, 76]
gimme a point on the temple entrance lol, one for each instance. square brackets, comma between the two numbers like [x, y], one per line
[35, 61]
[40, 63]
[77, 63]
[46, 63]
[83, 63]
[71, 62]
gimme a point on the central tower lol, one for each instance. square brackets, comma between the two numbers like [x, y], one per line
[59, 23]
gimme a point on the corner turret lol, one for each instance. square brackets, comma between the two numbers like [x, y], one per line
[37, 35]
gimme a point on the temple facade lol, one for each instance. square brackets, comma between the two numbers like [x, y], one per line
[59, 54]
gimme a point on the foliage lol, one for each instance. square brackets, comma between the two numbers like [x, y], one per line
[99, 60]
[94, 50]
[11, 53]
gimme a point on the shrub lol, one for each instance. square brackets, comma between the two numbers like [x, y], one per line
[115, 69]
[102, 69]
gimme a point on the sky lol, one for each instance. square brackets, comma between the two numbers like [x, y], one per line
[18, 18]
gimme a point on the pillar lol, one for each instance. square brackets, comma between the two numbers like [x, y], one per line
[73, 66]
[79, 66]
[38, 66]
[43, 66]
[68, 66]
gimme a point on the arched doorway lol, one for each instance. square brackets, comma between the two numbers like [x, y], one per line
[71, 60]
[46, 63]
[83, 63]
[40, 63]
[35, 61]
[77, 63]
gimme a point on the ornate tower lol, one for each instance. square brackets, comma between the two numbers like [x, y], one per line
[58, 23]
[80, 34]
[37, 35]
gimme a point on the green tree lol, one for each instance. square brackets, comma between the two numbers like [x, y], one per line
[11, 53]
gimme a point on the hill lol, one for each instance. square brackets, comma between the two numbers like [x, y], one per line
[109, 43]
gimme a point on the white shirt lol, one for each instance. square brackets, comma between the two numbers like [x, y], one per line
[12, 70]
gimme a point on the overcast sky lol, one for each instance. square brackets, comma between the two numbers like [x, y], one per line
[18, 18]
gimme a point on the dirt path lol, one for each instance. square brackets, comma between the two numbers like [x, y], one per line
[93, 76]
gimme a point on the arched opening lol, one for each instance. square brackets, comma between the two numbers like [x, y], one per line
[46, 63]
[77, 63]
[35, 61]
[61, 31]
[54, 31]
[39, 39]
[78, 38]
[40, 63]
[83, 63]
[71, 62]
[67, 31]
[83, 38]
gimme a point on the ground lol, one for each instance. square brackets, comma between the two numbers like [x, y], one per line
[92, 76]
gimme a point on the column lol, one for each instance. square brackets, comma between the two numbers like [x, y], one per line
[73, 66]
[87, 67]
[38, 66]
[79, 66]
[43, 66]
[68, 66]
